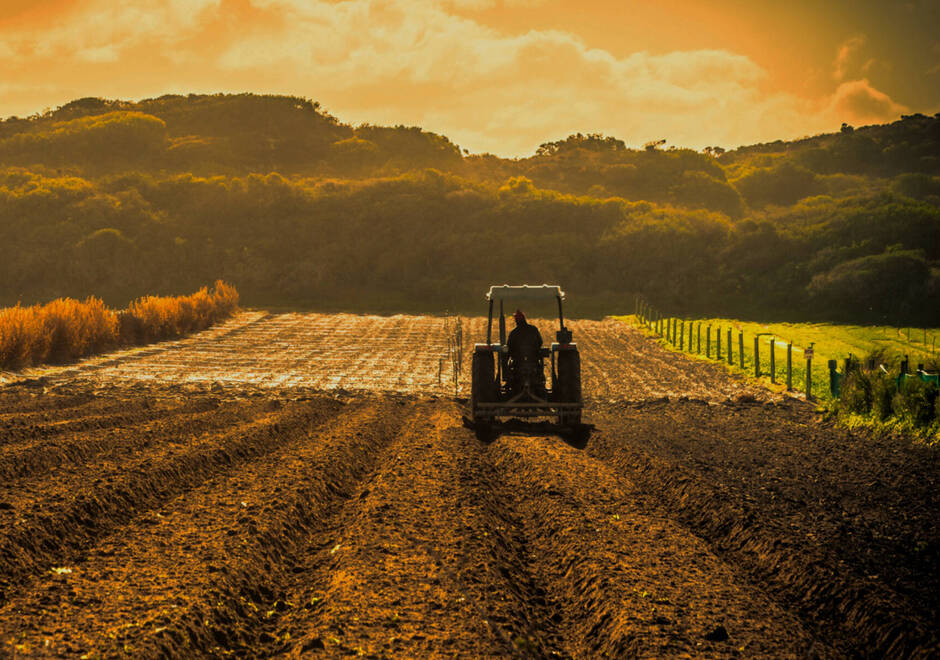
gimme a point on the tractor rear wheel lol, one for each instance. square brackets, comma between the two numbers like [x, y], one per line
[483, 388]
[568, 386]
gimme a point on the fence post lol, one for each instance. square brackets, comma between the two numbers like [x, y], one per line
[730, 357]
[708, 341]
[741, 349]
[809, 375]
[698, 334]
[756, 356]
[682, 336]
[773, 360]
[790, 367]
[833, 378]
[718, 344]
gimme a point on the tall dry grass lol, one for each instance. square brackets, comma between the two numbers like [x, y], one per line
[65, 329]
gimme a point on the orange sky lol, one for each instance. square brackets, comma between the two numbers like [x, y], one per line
[497, 75]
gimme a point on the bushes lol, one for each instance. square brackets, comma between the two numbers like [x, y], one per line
[66, 329]
[915, 401]
[153, 318]
[909, 400]
[59, 331]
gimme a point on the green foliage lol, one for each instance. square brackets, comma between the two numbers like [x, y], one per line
[893, 284]
[915, 402]
[883, 389]
[121, 199]
[918, 186]
[112, 138]
[857, 392]
[783, 184]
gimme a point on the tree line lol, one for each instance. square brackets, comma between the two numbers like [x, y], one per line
[295, 208]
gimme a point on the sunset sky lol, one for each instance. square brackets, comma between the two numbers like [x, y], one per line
[500, 76]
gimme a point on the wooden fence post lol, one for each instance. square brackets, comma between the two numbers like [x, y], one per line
[741, 349]
[790, 367]
[708, 341]
[730, 356]
[698, 334]
[773, 365]
[809, 373]
[718, 344]
[756, 356]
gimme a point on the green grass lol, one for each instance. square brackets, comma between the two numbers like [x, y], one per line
[830, 342]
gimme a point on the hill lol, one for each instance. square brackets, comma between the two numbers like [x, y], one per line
[296, 208]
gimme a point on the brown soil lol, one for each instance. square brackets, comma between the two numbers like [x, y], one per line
[301, 484]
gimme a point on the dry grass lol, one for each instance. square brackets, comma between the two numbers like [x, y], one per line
[65, 329]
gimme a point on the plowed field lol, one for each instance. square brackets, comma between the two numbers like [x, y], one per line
[303, 484]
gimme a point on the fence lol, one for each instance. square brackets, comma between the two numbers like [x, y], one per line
[453, 354]
[722, 345]
[726, 344]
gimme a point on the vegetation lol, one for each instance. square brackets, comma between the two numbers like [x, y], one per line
[66, 329]
[888, 344]
[299, 209]
[871, 389]
[910, 402]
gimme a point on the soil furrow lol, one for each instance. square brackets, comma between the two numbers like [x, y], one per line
[18, 406]
[631, 583]
[200, 574]
[131, 413]
[61, 517]
[178, 425]
[785, 552]
[423, 562]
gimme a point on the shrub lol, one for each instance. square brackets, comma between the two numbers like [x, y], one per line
[856, 393]
[163, 317]
[67, 329]
[883, 389]
[915, 401]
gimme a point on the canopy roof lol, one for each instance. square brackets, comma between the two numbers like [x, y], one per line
[525, 292]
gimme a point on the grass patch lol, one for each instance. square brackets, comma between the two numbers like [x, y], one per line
[868, 396]
[829, 341]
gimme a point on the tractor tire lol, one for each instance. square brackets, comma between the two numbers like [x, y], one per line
[483, 387]
[568, 386]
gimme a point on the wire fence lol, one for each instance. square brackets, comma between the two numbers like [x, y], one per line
[766, 355]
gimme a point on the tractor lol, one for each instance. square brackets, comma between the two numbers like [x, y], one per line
[505, 385]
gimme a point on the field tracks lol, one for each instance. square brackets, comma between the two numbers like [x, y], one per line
[302, 483]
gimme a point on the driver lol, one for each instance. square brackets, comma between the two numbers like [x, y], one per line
[524, 341]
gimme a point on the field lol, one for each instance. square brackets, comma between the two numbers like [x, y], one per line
[300, 483]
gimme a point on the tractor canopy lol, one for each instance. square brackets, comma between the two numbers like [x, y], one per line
[525, 292]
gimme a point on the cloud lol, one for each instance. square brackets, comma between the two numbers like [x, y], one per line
[860, 103]
[848, 56]
[415, 62]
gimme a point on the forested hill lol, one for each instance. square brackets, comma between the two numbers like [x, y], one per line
[297, 208]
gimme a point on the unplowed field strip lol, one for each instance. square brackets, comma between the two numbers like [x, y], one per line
[405, 354]
[325, 498]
